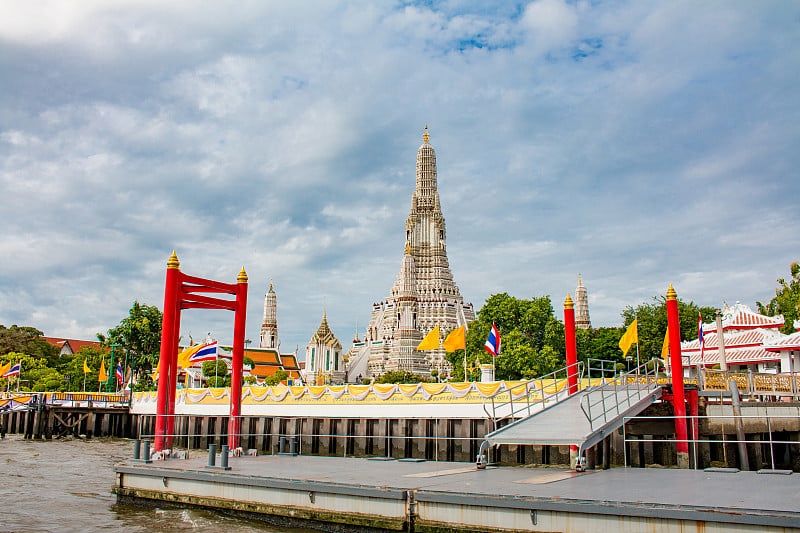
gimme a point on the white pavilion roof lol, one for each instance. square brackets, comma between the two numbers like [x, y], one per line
[788, 342]
[748, 346]
[740, 316]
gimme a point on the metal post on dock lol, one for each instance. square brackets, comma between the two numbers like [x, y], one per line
[223, 458]
[146, 452]
[737, 414]
[212, 454]
[137, 449]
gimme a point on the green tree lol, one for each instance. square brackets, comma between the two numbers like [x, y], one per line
[27, 340]
[532, 338]
[74, 368]
[652, 321]
[402, 376]
[786, 301]
[216, 373]
[276, 378]
[138, 335]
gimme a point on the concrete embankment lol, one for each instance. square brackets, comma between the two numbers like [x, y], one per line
[354, 494]
[443, 439]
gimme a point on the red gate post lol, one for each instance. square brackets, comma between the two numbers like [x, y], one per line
[167, 346]
[238, 359]
[572, 349]
[679, 400]
[173, 373]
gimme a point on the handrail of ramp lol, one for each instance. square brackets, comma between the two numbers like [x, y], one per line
[627, 387]
[531, 392]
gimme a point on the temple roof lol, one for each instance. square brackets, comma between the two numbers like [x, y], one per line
[748, 346]
[740, 316]
[789, 342]
[324, 335]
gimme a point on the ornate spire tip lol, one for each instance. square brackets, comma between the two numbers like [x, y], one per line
[671, 294]
[173, 262]
[568, 304]
[425, 136]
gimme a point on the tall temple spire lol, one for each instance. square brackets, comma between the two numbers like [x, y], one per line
[269, 325]
[582, 306]
[426, 190]
[424, 294]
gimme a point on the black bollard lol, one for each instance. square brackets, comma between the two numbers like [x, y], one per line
[293, 445]
[147, 452]
[212, 454]
[137, 452]
[282, 446]
[224, 457]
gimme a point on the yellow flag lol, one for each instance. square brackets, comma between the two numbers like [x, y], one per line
[157, 370]
[630, 336]
[183, 357]
[102, 376]
[5, 368]
[665, 346]
[431, 340]
[455, 340]
[86, 369]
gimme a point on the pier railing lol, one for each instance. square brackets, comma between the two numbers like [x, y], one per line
[530, 394]
[767, 426]
[32, 400]
[303, 435]
[611, 399]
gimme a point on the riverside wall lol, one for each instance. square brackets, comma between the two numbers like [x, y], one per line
[773, 438]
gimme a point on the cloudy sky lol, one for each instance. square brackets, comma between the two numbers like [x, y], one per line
[637, 143]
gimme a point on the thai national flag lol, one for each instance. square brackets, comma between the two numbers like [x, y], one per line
[206, 353]
[493, 342]
[701, 340]
[13, 371]
[120, 375]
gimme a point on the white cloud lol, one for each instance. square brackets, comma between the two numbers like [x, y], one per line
[639, 144]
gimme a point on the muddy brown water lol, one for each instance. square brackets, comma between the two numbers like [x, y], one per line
[65, 485]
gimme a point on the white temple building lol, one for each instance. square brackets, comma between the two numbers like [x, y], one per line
[423, 296]
[751, 342]
[324, 357]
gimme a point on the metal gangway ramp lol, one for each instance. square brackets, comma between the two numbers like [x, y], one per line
[582, 419]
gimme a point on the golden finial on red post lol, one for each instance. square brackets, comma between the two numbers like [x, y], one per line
[173, 262]
[671, 294]
[568, 304]
[242, 277]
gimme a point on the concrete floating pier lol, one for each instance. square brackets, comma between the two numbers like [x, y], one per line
[362, 494]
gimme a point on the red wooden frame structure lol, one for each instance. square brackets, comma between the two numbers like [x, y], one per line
[181, 292]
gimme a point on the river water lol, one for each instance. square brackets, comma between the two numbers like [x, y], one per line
[65, 485]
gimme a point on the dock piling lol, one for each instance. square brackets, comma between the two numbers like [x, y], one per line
[212, 454]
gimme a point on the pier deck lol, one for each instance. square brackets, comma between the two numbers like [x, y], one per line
[447, 496]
